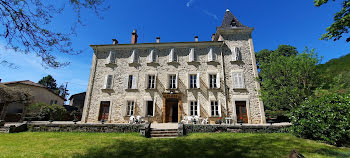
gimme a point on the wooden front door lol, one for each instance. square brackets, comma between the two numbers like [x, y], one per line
[171, 114]
[104, 110]
[241, 111]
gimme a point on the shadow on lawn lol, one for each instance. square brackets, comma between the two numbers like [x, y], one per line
[247, 146]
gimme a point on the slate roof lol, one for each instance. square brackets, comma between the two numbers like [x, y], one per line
[229, 19]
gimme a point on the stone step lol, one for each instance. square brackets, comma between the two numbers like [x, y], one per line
[154, 129]
[164, 135]
[4, 130]
[159, 132]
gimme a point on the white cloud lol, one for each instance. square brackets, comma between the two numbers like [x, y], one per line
[210, 14]
[189, 3]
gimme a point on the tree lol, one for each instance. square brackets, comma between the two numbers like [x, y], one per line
[287, 80]
[49, 82]
[25, 27]
[341, 22]
[284, 50]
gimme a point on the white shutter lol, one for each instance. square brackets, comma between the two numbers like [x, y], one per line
[111, 57]
[199, 107]
[191, 55]
[198, 81]
[150, 57]
[134, 82]
[241, 80]
[219, 104]
[176, 81]
[171, 55]
[218, 80]
[109, 81]
[132, 57]
[155, 81]
[235, 80]
[208, 80]
[126, 82]
[210, 54]
[234, 54]
[154, 105]
[105, 83]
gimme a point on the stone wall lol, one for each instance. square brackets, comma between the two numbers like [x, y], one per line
[193, 128]
[107, 128]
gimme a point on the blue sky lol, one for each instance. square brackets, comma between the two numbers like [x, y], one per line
[297, 23]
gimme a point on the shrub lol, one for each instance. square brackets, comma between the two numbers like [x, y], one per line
[45, 112]
[325, 118]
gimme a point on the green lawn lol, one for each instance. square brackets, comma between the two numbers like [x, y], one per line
[46, 144]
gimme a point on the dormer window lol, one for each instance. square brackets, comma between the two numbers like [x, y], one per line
[172, 55]
[192, 56]
[211, 55]
[152, 58]
[233, 23]
[134, 58]
[111, 57]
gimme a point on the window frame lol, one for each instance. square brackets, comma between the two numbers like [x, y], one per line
[196, 108]
[217, 111]
[130, 111]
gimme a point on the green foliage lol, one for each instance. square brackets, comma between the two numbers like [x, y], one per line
[49, 82]
[341, 21]
[336, 75]
[325, 118]
[287, 78]
[47, 112]
[282, 50]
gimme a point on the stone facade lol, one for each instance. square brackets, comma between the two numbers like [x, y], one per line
[229, 43]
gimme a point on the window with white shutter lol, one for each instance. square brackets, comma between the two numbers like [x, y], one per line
[173, 81]
[214, 80]
[236, 54]
[130, 107]
[108, 82]
[172, 55]
[238, 80]
[211, 55]
[134, 58]
[152, 58]
[194, 108]
[192, 56]
[151, 81]
[111, 57]
[215, 108]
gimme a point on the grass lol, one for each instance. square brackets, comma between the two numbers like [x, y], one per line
[50, 144]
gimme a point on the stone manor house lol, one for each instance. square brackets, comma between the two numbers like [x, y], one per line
[167, 81]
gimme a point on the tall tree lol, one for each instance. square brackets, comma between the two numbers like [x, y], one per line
[24, 24]
[49, 82]
[287, 80]
[341, 22]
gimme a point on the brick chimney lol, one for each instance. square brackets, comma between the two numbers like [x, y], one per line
[196, 38]
[133, 37]
[157, 39]
[115, 42]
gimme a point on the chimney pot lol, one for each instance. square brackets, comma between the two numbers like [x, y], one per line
[134, 37]
[115, 42]
[196, 38]
[158, 39]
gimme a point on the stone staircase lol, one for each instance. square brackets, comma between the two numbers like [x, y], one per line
[4, 129]
[164, 133]
[164, 130]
